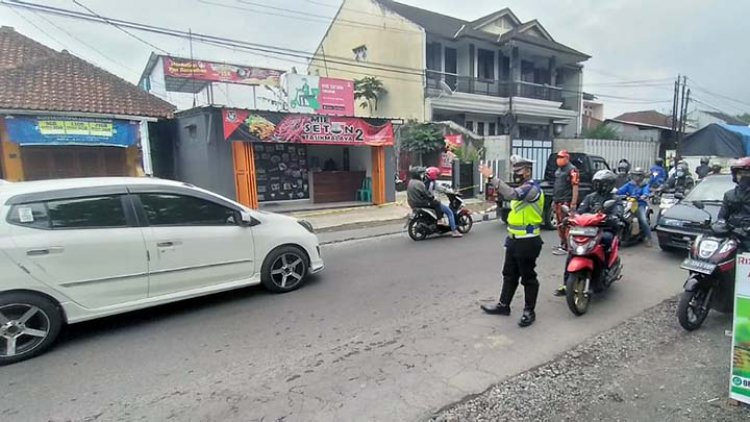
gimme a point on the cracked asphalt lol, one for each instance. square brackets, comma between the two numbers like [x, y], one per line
[390, 331]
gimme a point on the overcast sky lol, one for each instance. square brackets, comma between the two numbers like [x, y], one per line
[629, 40]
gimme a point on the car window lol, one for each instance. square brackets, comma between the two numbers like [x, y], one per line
[181, 210]
[29, 215]
[94, 212]
[600, 165]
[711, 188]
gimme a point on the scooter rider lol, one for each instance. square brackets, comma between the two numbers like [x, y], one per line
[603, 184]
[658, 175]
[638, 188]
[735, 207]
[417, 194]
[703, 170]
[622, 174]
[523, 244]
[681, 181]
[431, 176]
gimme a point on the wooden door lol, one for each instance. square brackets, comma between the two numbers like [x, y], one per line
[378, 175]
[243, 157]
[56, 162]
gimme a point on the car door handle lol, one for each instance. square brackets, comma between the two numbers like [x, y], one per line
[43, 251]
[165, 244]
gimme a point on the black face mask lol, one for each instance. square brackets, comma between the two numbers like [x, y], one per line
[745, 182]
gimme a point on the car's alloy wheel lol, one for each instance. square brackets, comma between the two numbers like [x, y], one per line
[29, 324]
[284, 269]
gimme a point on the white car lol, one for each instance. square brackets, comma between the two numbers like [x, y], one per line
[73, 250]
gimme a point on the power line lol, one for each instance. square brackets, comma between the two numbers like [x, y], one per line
[118, 27]
[715, 94]
[38, 28]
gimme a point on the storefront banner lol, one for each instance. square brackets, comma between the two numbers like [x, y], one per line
[244, 125]
[51, 130]
[220, 72]
[316, 95]
[739, 383]
[454, 141]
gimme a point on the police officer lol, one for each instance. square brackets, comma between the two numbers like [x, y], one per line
[523, 243]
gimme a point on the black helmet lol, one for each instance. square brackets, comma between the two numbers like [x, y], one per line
[659, 161]
[704, 160]
[622, 168]
[416, 172]
[603, 181]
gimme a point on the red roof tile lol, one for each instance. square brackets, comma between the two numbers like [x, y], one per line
[648, 117]
[35, 77]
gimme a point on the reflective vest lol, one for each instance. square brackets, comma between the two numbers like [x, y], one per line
[525, 218]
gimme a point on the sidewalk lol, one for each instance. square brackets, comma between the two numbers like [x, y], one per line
[360, 217]
[646, 369]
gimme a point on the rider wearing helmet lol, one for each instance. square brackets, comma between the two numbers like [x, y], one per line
[622, 174]
[735, 207]
[430, 179]
[703, 170]
[681, 181]
[602, 184]
[638, 188]
[658, 175]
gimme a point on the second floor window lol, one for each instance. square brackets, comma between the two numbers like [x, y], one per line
[485, 64]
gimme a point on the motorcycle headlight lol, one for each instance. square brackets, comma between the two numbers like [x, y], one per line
[707, 248]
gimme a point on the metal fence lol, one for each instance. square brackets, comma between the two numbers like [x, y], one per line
[638, 153]
[538, 151]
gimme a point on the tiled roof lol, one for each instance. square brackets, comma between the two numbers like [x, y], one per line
[35, 77]
[647, 117]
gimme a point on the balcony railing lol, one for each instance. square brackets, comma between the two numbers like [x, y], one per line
[492, 87]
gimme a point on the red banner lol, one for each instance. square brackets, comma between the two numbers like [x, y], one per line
[219, 72]
[454, 141]
[244, 125]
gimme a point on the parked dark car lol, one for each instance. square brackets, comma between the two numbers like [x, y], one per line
[678, 226]
[586, 164]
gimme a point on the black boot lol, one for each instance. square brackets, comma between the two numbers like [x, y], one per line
[496, 309]
[527, 318]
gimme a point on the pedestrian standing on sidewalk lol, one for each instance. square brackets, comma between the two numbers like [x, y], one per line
[565, 193]
[523, 243]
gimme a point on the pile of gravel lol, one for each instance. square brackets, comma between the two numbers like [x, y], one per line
[592, 379]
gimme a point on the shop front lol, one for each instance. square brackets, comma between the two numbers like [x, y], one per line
[37, 147]
[284, 161]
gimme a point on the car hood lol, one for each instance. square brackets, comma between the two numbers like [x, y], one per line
[270, 217]
[688, 212]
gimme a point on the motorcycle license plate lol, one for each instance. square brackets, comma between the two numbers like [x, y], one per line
[698, 266]
[583, 231]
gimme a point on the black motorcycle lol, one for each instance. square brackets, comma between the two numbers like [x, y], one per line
[423, 222]
[711, 264]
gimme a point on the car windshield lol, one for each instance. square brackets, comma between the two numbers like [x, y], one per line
[711, 189]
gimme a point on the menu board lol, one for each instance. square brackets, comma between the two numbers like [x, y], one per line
[281, 172]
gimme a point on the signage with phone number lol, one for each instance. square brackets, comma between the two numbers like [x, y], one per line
[53, 130]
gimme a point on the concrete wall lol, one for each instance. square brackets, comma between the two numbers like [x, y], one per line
[202, 156]
[573, 99]
[634, 133]
[391, 41]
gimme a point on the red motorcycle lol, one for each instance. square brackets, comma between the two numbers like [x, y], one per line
[587, 272]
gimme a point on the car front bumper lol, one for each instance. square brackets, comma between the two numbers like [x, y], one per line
[675, 238]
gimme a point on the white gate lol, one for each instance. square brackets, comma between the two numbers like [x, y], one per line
[538, 151]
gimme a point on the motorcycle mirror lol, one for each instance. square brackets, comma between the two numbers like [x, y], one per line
[697, 204]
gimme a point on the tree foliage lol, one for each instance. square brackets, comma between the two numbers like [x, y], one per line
[745, 117]
[369, 90]
[601, 132]
[422, 138]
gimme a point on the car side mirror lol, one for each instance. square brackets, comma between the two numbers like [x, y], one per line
[247, 219]
[697, 204]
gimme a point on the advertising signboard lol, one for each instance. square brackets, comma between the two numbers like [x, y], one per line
[201, 70]
[739, 382]
[316, 95]
[55, 130]
[260, 126]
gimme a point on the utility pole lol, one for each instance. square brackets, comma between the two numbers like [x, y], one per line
[675, 105]
[685, 113]
[681, 115]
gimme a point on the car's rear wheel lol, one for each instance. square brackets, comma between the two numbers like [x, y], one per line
[29, 325]
[549, 219]
[284, 269]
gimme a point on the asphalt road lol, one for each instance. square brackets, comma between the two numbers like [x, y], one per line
[392, 330]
